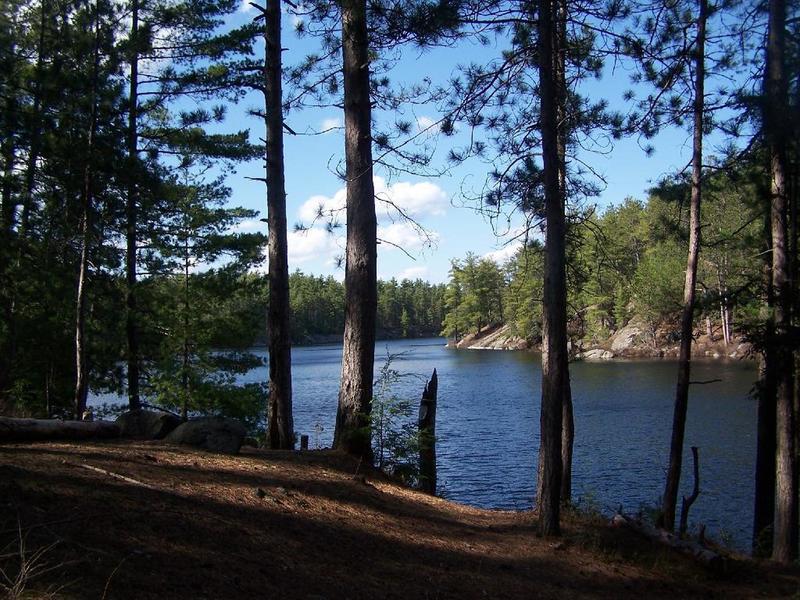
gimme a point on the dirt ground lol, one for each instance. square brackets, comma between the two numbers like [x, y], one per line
[141, 520]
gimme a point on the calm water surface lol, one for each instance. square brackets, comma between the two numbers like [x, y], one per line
[488, 421]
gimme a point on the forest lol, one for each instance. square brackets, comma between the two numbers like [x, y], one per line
[124, 266]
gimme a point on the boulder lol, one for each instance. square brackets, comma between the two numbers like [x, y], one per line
[147, 424]
[596, 354]
[217, 434]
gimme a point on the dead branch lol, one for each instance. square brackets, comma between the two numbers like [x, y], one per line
[116, 476]
[687, 502]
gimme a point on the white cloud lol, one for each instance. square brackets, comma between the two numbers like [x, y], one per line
[324, 207]
[249, 226]
[425, 123]
[413, 273]
[245, 7]
[312, 243]
[501, 255]
[331, 124]
[415, 200]
[406, 236]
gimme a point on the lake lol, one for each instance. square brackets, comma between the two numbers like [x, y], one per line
[488, 422]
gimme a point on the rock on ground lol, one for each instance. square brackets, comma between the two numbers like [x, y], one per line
[217, 434]
[596, 354]
[147, 424]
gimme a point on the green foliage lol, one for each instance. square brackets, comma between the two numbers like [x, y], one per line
[188, 311]
[474, 296]
[658, 283]
[523, 294]
[395, 434]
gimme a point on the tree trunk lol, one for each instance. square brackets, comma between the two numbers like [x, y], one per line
[684, 361]
[9, 206]
[185, 362]
[764, 502]
[131, 214]
[554, 317]
[280, 426]
[81, 366]
[361, 296]
[567, 418]
[567, 443]
[36, 131]
[785, 532]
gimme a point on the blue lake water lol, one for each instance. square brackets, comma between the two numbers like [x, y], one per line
[488, 422]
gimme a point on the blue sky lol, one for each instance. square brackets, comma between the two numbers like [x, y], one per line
[437, 203]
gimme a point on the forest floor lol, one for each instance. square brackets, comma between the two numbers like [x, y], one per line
[143, 520]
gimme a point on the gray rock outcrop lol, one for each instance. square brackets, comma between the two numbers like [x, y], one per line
[626, 338]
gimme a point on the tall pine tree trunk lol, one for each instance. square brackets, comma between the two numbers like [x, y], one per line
[81, 366]
[37, 125]
[567, 417]
[131, 214]
[764, 496]
[764, 502]
[784, 547]
[687, 317]
[280, 427]
[554, 310]
[361, 296]
[185, 362]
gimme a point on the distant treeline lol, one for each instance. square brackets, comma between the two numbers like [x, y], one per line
[405, 309]
[237, 308]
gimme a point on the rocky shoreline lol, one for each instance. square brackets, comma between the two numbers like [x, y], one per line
[635, 340]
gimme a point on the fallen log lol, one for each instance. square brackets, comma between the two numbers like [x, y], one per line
[687, 547]
[34, 430]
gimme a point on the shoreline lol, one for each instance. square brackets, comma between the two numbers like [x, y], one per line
[628, 343]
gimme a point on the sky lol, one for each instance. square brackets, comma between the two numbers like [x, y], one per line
[441, 205]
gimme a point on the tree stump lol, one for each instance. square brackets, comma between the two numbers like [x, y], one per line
[427, 436]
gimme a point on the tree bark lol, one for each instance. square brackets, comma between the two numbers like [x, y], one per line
[785, 531]
[280, 426]
[567, 417]
[81, 366]
[687, 317]
[764, 496]
[567, 443]
[36, 130]
[764, 501]
[185, 319]
[361, 296]
[554, 317]
[131, 216]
